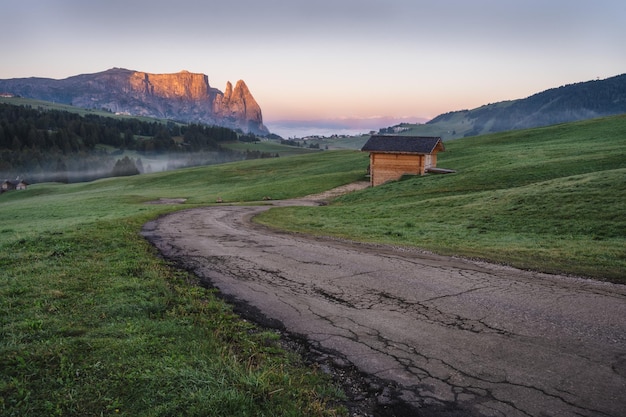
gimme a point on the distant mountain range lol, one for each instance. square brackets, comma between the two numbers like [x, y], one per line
[188, 97]
[580, 101]
[182, 96]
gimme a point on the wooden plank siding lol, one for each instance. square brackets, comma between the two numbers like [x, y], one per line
[392, 157]
[388, 167]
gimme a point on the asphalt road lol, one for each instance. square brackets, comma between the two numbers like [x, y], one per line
[454, 337]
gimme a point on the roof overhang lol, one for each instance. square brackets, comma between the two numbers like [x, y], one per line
[418, 145]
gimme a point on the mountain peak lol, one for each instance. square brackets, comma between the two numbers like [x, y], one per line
[241, 85]
[183, 96]
[228, 91]
[239, 107]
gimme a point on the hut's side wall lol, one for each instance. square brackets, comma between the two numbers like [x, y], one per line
[431, 161]
[387, 167]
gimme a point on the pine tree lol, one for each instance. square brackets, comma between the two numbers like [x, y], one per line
[125, 167]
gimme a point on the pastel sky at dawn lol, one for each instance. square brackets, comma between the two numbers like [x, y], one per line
[327, 59]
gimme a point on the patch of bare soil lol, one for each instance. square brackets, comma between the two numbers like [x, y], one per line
[338, 191]
[167, 201]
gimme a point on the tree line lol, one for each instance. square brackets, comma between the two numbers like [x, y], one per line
[57, 145]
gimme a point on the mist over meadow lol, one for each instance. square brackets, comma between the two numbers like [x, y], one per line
[39, 145]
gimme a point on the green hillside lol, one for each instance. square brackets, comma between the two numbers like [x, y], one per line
[454, 125]
[551, 199]
[92, 322]
[272, 147]
[569, 103]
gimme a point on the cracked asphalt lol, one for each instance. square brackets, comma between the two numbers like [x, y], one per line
[451, 336]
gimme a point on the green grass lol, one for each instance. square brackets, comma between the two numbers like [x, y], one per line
[455, 125]
[269, 146]
[334, 143]
[550, 199]
[92, 322]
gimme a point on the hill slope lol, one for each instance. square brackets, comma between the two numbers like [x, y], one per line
[549, 198]
[580, 101]
[89, 311]
[93, 323]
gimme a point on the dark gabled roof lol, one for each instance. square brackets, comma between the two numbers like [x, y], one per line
[13, 183]
[403, 144]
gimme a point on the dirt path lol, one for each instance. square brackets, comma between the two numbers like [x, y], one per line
[440, 335]
[335, 192]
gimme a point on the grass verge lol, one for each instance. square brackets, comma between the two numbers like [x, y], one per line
[92, 322]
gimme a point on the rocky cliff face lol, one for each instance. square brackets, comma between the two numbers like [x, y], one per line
[239, 107]
[181, 96]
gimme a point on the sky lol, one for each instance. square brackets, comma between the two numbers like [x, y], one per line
[408, 60]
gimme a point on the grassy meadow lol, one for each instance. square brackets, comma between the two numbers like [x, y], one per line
[270, 146]
[93, 322]
[550, 199]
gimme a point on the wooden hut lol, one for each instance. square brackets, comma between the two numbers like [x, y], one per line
[391, 157]
[21, 185]
[7, 185]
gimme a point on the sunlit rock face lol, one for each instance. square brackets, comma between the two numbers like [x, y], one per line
[182, 96]
[183, 85]
[238, 107]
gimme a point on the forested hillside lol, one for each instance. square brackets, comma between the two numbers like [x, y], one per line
[569, 103]
[52, 145]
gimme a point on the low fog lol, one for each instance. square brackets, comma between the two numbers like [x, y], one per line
[80, 170]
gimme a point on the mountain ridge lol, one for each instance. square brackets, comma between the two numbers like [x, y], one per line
[567, 103]
[183, 96]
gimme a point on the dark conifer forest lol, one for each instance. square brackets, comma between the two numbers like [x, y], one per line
[42, 145]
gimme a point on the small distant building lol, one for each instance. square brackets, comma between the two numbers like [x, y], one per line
[8, 185]
[21, 185]
[392, 157]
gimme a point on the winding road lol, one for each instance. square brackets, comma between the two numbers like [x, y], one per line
[455, 337]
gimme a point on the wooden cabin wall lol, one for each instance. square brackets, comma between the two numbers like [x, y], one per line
[387, 167]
